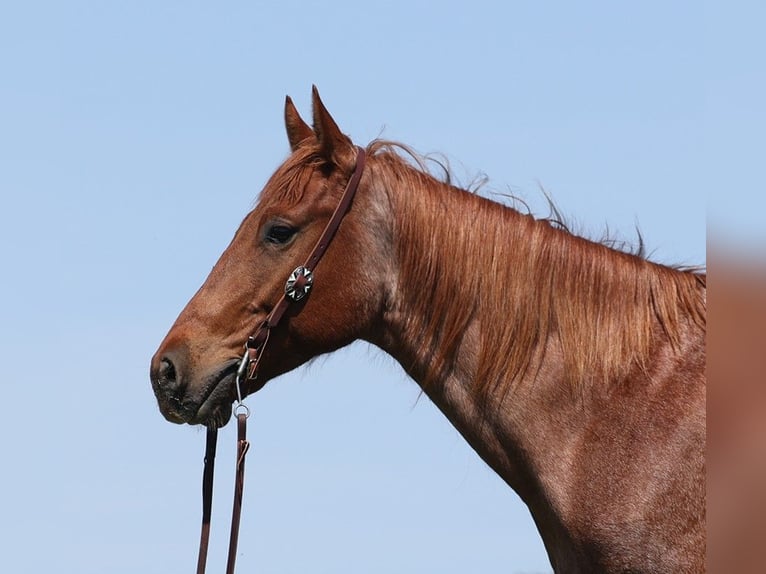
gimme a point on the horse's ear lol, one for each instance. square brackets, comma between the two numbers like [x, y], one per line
[334, 146]
[298, 131]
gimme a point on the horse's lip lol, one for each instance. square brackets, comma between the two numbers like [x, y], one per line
[218, 392]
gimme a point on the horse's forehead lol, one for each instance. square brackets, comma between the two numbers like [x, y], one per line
[287, 186]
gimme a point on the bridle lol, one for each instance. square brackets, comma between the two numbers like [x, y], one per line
[297, 287]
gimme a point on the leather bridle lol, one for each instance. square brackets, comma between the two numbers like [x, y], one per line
[297, 287]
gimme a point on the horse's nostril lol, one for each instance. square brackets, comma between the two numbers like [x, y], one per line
[167, 373]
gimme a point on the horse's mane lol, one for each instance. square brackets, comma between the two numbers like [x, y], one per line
[527, 280]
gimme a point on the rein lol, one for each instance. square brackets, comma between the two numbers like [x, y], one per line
[296, 288]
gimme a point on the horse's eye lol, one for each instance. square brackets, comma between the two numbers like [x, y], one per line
[279, 234]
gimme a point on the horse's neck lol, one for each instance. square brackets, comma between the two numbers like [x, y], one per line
[534, 433]
[503, 430]
[529, 439]
[526, 435]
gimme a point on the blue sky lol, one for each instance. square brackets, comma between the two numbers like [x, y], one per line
[134, 136]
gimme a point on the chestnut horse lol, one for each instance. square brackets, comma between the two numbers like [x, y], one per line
[576, 371]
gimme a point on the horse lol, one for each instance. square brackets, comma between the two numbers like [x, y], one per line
[576, 370]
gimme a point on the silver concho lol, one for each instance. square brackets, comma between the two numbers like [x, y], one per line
[299, 283]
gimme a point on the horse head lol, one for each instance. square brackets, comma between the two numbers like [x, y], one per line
[193, 372]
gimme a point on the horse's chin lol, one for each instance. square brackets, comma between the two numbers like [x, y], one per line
[215, 417]
[209, 415]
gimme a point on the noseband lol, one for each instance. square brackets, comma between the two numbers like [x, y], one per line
[297, 287]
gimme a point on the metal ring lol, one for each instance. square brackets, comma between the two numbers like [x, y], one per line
[246, 411]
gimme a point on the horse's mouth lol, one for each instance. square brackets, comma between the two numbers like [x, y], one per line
[209, 404]
[215, 405]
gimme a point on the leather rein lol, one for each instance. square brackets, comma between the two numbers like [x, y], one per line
[297, 287]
